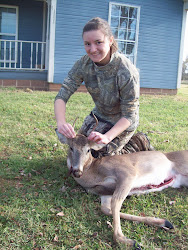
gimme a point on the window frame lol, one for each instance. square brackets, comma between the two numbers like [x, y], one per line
[136, 30]
[11, 34]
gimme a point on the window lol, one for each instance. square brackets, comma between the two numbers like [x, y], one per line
[124, 22]
[8, 32]
[8, 22]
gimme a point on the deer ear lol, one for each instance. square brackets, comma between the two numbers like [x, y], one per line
[62, 138]
[96, 146]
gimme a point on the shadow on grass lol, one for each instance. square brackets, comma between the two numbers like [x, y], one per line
[24, 175]
[33, 192]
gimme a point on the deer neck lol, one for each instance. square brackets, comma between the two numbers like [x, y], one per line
[89, 163]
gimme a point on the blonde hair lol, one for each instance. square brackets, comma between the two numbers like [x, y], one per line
[98, 23]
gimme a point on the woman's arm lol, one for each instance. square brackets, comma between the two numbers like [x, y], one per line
[70, 84]
[63, 127]
[117, 129]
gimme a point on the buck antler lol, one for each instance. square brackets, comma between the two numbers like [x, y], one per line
[96, 122]
[73, 125]
[74, 122]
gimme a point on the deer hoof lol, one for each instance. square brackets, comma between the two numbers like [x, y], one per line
[129, 242]
[168, 225]
[137, 246]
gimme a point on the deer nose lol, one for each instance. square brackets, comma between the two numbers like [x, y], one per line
[77, 173]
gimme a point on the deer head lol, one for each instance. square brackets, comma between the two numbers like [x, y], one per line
[79, 154]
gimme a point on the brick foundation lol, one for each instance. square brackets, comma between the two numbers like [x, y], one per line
[45, 86]
[56, 87]
[147, 91]
[24, 84]
[153, 91]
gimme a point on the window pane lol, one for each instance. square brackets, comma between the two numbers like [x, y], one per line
[132, 24]
[130, 49]
[131, 35]
[2, 10]
[12, 10]
[122, 34]
[122, 47]
[115, 22]
[115, 10]
[133, 13]
[124, 11]
[7, 20]
[123, 22]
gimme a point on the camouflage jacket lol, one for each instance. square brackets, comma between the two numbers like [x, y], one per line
[113, 87]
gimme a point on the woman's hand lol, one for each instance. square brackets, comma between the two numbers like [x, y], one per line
[99, 138]
[62, 126]
[67, 130]
[117, 129]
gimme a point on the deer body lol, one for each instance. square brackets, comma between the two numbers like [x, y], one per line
[149, 169]
[113, 178]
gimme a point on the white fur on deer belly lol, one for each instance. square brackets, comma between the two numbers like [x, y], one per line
[151, 182]
[179, 181]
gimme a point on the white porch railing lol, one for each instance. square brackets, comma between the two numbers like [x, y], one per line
[16, 54]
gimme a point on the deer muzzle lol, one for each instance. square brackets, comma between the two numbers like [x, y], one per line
[77, 173]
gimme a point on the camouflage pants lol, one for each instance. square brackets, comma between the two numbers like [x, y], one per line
[112, 148]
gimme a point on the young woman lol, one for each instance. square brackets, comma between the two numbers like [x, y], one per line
[112, 81]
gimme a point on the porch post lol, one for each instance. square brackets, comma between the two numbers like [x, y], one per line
[52, 24]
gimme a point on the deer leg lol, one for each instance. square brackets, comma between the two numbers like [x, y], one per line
[106, 204]
[118, 197]
[152, 221]
[106, 201]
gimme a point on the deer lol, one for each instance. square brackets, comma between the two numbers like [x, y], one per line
[113, 178]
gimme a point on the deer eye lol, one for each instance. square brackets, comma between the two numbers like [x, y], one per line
[71, 149]
[88, 150]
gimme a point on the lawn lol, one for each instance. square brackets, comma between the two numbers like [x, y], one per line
[43, 208]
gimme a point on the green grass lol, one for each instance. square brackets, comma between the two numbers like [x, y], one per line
[33, 172]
